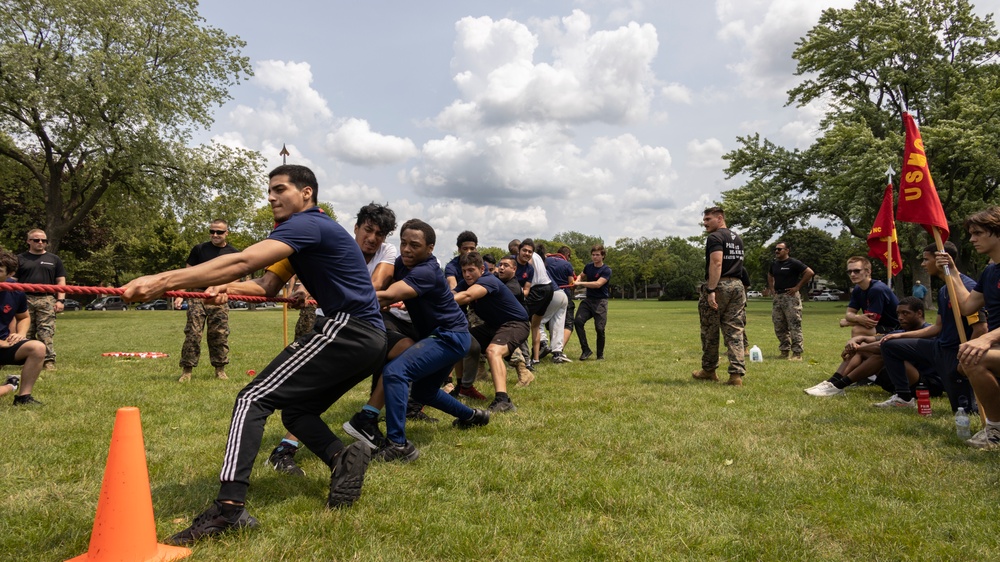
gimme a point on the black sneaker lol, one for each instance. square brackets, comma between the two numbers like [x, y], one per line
[26, 400]
[420, 415]
[499, 406]
[213, 522]
[282, 459]
[402, 452]
[543, 351]
[560, 357]
[348, 475]
[365, 429]
[479, 418]
[600, 358]
[586, 355]
[14, 381]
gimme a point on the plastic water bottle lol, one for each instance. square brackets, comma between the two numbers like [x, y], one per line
[756, 356]
[962, 424]
[923, 400]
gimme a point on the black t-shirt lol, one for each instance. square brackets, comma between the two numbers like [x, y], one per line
[40, 269]
[207, 251]
[787, 273]
[731, 246]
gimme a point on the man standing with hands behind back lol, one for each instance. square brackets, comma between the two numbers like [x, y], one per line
[199, 313]
[785, 280]
[38, 266]
[723, 300]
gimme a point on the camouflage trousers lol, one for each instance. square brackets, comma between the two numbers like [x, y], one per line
[217, 319]
[786, 314]
[42, 309]
[730, 318]
[307, 319]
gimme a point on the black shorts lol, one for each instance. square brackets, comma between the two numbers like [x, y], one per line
[512, 334]
[7, 354]
[538, 299]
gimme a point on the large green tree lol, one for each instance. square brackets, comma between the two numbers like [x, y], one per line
[867, 63]
[98, 100]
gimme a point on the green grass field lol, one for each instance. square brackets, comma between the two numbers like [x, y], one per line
[625, 459]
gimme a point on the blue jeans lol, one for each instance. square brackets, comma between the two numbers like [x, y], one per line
[931, 360]
[424, 366]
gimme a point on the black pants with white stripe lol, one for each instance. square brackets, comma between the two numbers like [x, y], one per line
[303, 381]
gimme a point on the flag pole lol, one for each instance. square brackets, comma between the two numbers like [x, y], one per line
[284, 306]
[888, 273]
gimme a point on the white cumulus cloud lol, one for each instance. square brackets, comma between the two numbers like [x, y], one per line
[355, 142]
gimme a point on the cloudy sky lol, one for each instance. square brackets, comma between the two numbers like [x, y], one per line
[519, 118]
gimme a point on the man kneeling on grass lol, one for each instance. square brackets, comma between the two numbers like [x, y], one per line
[309, 375]
[505, 322]
[862, 356]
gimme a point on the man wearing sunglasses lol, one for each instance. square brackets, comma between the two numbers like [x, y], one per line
[785, 279]
[872, 309]
[39, 266]
[199, 314]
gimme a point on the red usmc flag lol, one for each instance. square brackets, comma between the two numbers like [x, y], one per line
[918, 199]
[882, 242]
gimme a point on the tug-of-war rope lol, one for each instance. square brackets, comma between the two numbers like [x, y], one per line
[104, 291]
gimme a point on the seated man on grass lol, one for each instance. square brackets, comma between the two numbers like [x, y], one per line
[862, 356]
[908, 354]
[15, 347]
[872, 309]
[505, 323]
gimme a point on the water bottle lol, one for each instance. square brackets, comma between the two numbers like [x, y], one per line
[756, 356]
[962, 424]
[923, 400]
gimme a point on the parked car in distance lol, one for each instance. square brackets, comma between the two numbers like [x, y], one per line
[754, 294]
[72, 304]
[826, 296]
[158, 304]
[107, 303]
[237, 304]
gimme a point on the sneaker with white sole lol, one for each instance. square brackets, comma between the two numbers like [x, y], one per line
[987, 438]
[897, 402]
[825, 388]
[364, 428]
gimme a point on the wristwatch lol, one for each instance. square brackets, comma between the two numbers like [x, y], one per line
[61, 300]
[707, 290]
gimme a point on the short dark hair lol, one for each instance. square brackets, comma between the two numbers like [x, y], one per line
[540, 248]
[300, 176]
[913, 303]
[949, 247]
[9, 261]
[787, 246]
[471, 258]
[510, 258]
[489, 259]
[599, 248]
[430, 238]
[988, 219]
[220, 221]
[466, 236]
[716, 210]
[513, 245]
[527, 242]
[566, 251]
[380, 215]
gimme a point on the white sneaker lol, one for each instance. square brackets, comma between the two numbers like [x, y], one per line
[815, 386]
[825, 388]
[897, 402]
[986, 438]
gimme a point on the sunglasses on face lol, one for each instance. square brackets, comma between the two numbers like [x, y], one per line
[216, 231]
[42, 240]
[854, 271]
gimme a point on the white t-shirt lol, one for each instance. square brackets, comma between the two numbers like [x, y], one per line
[385, 254]
[541, 275]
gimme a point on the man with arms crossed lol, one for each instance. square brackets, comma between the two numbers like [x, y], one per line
[309, 375]
[39, 266]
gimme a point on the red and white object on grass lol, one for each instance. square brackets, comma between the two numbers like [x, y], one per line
[137, 354]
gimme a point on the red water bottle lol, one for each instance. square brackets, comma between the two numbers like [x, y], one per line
[923, 400]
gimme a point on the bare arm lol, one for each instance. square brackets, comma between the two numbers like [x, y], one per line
[382, 276]
[398, 291]
[223, 269]
[473, 293]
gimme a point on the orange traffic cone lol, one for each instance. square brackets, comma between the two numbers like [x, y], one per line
[124, 529]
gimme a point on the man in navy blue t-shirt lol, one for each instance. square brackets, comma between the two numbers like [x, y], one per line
[467, 241]
[938, 355]
[872, 309]
[595, 278]
[444, 331]
[308, 376]
[15, 347]
[980, 357]
[505, 322]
